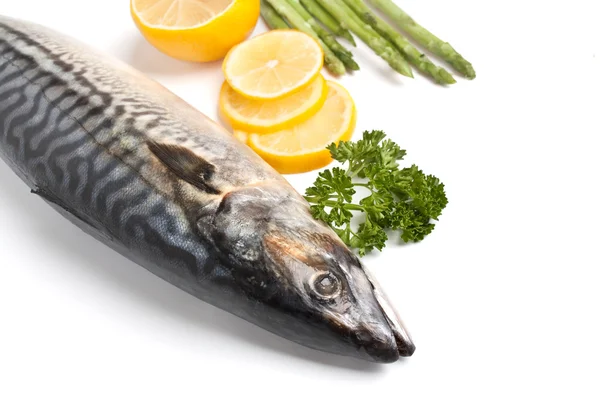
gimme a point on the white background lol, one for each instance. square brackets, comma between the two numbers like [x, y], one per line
[503, 299]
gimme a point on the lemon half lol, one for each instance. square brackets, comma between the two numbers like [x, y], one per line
[195, 30]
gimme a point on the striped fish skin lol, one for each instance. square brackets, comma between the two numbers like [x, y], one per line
[145, 173]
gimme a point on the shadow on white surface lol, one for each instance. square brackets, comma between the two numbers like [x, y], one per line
[369, 63]
[146, 292]
[144, 57]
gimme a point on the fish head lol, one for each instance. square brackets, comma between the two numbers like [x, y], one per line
[311, 287]
[335, 292]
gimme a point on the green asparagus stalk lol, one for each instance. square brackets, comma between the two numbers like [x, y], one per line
[283, 8]
[326, 19]
[272, 19]
[425, 38]
[414, 56]
[344, 55]
[380, 46]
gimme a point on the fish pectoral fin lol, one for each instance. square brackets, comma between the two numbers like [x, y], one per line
[75, 217]
[185, 164]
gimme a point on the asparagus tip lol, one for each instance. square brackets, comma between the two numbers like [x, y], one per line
[348, 36]
[446, 77]
[350, 64]
[463, 66]
[470, 74]
[406, 71]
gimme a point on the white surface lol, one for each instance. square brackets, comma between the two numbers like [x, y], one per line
[502, 299]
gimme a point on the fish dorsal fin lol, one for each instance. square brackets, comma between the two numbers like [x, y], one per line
[185, 164]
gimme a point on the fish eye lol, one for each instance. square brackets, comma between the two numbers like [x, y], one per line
[325, 285]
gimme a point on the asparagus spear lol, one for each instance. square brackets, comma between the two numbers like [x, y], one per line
[425, 38]
[272, 19]
[326, 19]
[283, 8]
[344, 55]
[380, 46]
[419, 60]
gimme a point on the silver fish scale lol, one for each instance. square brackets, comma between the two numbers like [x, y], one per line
[76, 130]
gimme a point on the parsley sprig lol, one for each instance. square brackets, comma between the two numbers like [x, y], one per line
[404, 200]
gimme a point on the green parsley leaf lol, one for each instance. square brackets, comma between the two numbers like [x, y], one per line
[403, 200]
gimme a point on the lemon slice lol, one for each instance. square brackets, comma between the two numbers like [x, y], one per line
[266, 116]
[195, 30]
[302, 148]
[273, 64]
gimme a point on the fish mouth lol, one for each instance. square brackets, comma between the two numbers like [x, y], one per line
[404, 344]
